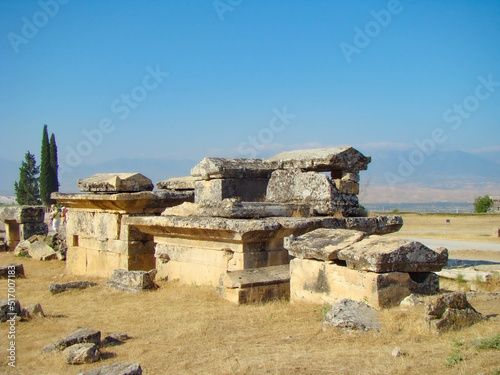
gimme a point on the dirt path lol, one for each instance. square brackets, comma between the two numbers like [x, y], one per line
[457, 245]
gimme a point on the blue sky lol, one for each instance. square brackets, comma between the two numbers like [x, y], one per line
[188, 79]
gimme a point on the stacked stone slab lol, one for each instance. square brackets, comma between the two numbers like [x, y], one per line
[198, 249]
[218, 178]
[288, 177]
[332, 264]
[297, 177]
[22, 222]
[98, 239]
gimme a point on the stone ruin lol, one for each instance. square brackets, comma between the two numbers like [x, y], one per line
[98, 239]
[22, 222]
[256, 229]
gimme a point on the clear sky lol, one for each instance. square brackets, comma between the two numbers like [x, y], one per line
[188, 79]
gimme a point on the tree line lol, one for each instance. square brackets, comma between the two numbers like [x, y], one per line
[36, 183]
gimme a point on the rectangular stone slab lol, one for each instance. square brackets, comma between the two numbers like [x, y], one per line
[345, 159]
[177, 183]
[256, 276]
[217, 168]
[388, 254]
[115, 182]
[322, 244]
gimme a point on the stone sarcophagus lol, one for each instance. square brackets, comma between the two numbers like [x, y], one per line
[22, 222]
[98, 239]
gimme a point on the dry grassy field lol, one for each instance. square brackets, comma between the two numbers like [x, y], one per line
[188, 330]
[462, 227]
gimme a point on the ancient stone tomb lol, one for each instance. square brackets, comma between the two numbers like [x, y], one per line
[237, 224]
[98, 239]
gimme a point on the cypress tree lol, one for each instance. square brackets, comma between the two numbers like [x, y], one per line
[27, 191]
[54, 186]
[45, 175]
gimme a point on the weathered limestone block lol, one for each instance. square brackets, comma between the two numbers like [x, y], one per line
[352, 315]
[346, 159]
[257, 285]
[223, 168]
[22, 214]
[115, 182]
[116, 369]
[451, 312]
[79, 354]
[36, 248]
[59, 288]
[89, 262]
[386, 254]
[80, 336]
[177, 183]
[8, 309]
[313, 188]
[375, 225]
[33, 311]
[33, 229]
[13, 270]
[294, 185]
[322, 244]
[346, 187]
[131, 281]
[245, 189]
[323, 282]
[95, 225]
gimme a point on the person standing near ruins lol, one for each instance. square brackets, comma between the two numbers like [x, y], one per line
[55, 217]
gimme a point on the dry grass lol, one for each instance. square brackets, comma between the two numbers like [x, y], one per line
[189, 330]
[478, 228]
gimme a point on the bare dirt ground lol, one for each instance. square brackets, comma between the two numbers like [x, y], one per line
[181, 329]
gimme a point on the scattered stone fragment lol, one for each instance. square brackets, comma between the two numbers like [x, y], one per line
[116, 369]
[115, 183]
[33, 311]
[115, 339]
[79, 354]
[411, 300]
[59, 288]
[389, 254]
[322, 244]
[36, 248]
[352, 315]
[14, 270]
[451, 312]
[397, 352]
[9, 309]
[131, 281]
[465, 274]
[82, 335]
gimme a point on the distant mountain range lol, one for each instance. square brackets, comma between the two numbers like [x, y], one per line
[453, 176]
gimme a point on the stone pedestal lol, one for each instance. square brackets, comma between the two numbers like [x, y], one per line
[98, 239]
[326, 282]
[197, 250]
